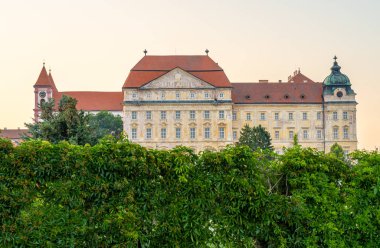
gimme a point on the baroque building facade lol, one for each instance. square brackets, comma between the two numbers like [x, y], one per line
[168, 101]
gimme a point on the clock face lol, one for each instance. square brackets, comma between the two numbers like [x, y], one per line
[42, 94]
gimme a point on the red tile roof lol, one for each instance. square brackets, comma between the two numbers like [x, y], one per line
[13, 133]
[44, 79]
[245, 93]
[298, 77]
[152, 67]
[94, 101]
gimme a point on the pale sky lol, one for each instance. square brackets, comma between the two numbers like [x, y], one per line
[92, 45]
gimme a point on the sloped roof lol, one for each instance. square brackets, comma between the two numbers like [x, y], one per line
[152, 67]
[94, 101]
[13, 133]
[43, 79]
[267, 93]
[300, 78]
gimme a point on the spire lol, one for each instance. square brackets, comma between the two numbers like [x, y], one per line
[44, 79]
[52, 80]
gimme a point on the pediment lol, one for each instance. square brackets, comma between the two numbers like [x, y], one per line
[177, 78]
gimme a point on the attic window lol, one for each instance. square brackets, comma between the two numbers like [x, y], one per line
[247, 97]
[302, 96]
[266, 96]
[286, 96]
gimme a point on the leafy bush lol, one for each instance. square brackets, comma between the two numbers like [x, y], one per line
[119, 194]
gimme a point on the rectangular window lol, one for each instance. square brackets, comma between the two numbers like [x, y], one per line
[221, 95]
[291, 134]
[221, 132]
[177, 95]
[148, 133]
[134, 115]
[148, 115]
[163, 115]
[177, 114]
[207, 95]
[345, 132]
[134, 133]
[304, 116]
[319, 134]
[178, 132]
[276, 116]
[234, 134]
[148, 95]
[319, 115]
[305, 134]
[192, 133]
[345, 115]
[290, 116]
[207, 132]
[192, 114]
[134, 95]
[277, 135]
[163, 133]
[192, 95]
[248, 116]
[162, 95]
[335, 116]
[234, 117]
[206, 114]
[262, 116]
[221, 114]
[335, 133]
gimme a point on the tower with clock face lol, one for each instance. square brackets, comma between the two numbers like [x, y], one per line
[44, 90]
[339, 109]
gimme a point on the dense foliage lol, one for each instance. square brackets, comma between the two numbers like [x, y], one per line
[255, 138]
[118, 194]
[75, 126]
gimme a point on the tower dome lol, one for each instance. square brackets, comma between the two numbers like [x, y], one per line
[336, 78]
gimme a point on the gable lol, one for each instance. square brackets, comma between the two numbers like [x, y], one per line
[177, 78]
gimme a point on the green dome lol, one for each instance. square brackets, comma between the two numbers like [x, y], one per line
[336, 77]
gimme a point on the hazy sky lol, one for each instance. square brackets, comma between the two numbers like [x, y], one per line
[92, 45]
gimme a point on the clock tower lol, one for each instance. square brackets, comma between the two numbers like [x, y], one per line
[44, 90]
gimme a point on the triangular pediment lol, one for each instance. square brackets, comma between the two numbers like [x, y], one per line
[177, 78]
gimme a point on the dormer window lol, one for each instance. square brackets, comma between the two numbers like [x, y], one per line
[302, 96]
[286, 96]
[266, 96]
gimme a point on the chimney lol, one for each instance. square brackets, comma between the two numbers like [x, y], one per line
[290, 77]
[5, 128]
[295, 72]
[263, 81]
[280, 81]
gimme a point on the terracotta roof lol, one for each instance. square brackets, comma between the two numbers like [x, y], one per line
[44, 79]
[152, 67]
[13, 133]
[94, 101]
[245, 93]
[52, 81]
[298, 77]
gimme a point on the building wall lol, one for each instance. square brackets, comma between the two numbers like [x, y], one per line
[290, 122]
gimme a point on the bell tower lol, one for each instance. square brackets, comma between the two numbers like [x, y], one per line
[339, 110]
[44, 90]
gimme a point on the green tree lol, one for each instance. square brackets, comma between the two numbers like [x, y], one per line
[66, 124]
[255, 138]
[337, 151]
[104, 123]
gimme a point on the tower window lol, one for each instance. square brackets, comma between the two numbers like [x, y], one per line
[339, 94]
